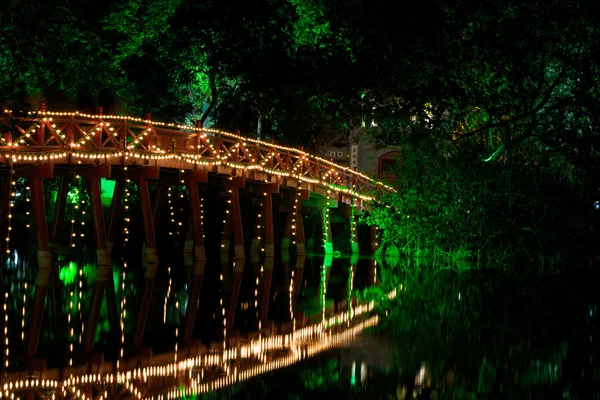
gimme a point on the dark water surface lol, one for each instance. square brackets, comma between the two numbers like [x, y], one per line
[468, 336]
[484, 334]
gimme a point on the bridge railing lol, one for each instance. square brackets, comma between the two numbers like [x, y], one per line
[61, 137]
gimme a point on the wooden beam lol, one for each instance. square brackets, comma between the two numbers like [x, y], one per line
[44, 262]
[151, 266]
[103, 261]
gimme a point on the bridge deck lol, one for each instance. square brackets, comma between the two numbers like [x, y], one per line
[61, 138]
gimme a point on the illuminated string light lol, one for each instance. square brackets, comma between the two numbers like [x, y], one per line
[295, 214]
[202, 215]
[11, 204]
[223, 311]
[249, 355]
[291, 293]
[176, 333]
[242, 152]
[326, 224]
[350, 289]
[6, 341]
[167, 295]
[171, 210]
[123, 313]
[28, 211]
[24, 310]
[71, 330]
[180, 201]
[225, 240]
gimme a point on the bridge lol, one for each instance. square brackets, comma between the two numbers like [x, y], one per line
[246, 185]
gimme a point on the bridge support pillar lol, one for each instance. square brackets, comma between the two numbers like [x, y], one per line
[325, 273]
[111, 234]
[34, 176]
[265, 221]
[193, 302]
[233, 219]
[188, 253]
[233, 285]
[373, 238]
[56, 250]
[297, 277]
[159, 203]
[265, 291]
[4, 204]
[196, 214]
[350, 214]
[103, 259]
[293, 234]
[197, 244]
[323, 206]
[151, 262]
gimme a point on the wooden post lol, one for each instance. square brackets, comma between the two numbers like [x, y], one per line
[234, 289]
[44, 261]
[297, 280]
[103, 259]
[193, 302]
[234, 217]
[327, 236]
[111, 235]
[267, 214]
[151, 259]
[195, 212]
[266, 290]
[159, 203]
[197, 234]
[55, 285]
[4, 205]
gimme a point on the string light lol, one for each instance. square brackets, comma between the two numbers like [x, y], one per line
[303, 343]
[171, 210]
[167, 296]
[6, 341]
[126, 220]
[180, 201]
[11, 204]
[227, 220]
[292, 162]
[223, 311]
[291, 292]
[327, 245]
[176, 332]
[295, 214]
[24, 310]
[70, 328]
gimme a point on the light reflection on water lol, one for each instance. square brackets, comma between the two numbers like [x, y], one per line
[251, 300]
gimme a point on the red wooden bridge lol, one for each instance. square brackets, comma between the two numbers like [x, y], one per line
[44, 144]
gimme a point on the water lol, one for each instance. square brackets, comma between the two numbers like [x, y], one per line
[485, 334]
[469, 335]
[238, 297]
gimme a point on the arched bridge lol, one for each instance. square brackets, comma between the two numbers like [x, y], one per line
[211, 187]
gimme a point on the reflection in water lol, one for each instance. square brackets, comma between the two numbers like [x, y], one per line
[473, 335]
[248, 358]
[264, 319]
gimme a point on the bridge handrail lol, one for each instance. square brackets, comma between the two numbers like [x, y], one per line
[286, 160]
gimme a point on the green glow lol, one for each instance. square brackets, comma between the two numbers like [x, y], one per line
[107, 188]
[353, 376]
[67, 273]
